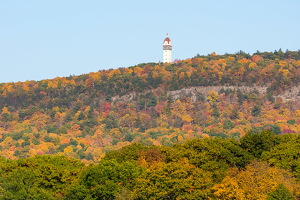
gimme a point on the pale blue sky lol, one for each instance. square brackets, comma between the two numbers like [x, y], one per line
[42, 39]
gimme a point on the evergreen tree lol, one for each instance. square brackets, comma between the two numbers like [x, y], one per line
[81, 116]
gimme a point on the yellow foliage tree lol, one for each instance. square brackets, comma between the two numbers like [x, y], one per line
[5, 110]
[68, 150]
[255, 182]
[138, 71]
[253, 65]
[8, 142]
[212, 97]
[114, 73]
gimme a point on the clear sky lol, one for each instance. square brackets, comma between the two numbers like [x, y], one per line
[42, 39]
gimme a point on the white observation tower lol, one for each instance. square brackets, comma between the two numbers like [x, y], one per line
[167, 47]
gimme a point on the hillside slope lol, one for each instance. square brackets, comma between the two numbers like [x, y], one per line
[85, 116]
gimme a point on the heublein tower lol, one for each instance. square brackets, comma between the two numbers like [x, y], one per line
[167, 47]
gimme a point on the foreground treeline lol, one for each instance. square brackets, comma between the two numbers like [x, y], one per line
[260, 166]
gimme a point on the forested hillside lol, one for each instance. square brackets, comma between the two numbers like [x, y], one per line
[86, 116]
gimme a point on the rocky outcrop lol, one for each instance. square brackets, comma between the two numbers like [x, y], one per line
[193, 92]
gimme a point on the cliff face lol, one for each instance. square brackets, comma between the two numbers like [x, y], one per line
[288, 95]
[293, 94]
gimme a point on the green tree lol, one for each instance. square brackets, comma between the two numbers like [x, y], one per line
[280, 193]
[286, 154]
[256, 110]
[22, 184]
[40, 177]
[228, 124]
[257, 143]
[127, 153]
[90, 114]
[216, 111]
[81, 116]
[215, 155]
[105, 180]
[175, 180]
[77, 192]
[110, 122]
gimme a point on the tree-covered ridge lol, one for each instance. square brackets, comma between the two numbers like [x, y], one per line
[75, 116]
[209, 168]
[277, 70]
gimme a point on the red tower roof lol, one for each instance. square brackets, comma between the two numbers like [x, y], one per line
[168, 40]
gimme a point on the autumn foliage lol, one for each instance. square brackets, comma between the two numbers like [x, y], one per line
[210, 168]
[88, 115]
[210, 127]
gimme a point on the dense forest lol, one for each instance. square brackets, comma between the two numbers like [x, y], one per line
[261, 166]
[209, 127]
[86, 116]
